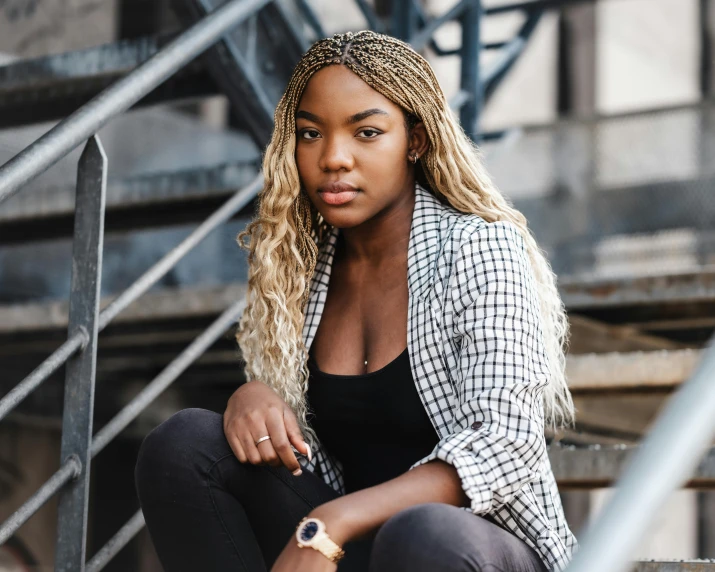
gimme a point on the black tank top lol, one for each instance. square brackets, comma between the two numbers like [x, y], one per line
[374, 424]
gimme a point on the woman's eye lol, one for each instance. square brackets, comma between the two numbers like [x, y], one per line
[369, 133]
[309, 134]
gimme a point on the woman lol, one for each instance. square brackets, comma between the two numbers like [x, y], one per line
[403, 340]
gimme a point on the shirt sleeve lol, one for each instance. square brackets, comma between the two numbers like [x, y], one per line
[497, 440]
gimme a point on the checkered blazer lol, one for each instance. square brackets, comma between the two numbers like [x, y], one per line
[477, 357]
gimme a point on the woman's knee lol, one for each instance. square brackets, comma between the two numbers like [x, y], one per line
[179, 447]
[413, 540]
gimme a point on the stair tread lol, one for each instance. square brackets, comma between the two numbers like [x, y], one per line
[52, 86]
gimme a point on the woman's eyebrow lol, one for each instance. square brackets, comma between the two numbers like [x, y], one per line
[365, 114]
[302, 114]
[309, 116]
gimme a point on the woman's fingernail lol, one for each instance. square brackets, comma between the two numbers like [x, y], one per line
[310, 454]
[298, 472]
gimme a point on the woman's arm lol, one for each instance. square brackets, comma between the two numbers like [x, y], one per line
[352, 516]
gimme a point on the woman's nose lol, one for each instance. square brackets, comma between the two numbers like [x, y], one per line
[336, 156]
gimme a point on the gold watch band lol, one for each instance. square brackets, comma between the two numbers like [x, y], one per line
[329, 549]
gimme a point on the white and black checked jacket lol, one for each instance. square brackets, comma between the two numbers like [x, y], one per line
[477, 357]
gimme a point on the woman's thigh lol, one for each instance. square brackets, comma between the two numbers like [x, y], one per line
[436, 536]
[203, 506]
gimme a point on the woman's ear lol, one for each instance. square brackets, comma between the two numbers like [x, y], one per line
[418, 142]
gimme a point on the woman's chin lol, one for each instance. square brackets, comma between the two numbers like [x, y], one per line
[344, 219]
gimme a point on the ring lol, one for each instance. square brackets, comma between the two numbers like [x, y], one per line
[263, 439]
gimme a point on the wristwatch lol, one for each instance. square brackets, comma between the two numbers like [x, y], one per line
[311, 533]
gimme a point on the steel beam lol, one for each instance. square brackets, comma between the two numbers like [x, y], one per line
[470, 78]
[88, 120]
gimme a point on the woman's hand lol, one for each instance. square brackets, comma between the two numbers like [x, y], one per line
[297, 559]
[254, 411]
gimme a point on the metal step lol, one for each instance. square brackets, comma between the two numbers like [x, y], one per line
[675, 566]
[133, 349]
[52, 87]
[678, 306]
[599, 466]
[164, 168]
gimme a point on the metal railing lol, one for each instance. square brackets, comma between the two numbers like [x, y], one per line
[79, 447]
[79, 352]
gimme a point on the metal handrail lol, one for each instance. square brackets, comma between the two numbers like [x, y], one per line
[91, 117]
[139, 287]
[71, 480]
[132, 410]
[144, 283]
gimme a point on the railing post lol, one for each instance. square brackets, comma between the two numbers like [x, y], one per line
[404, 19]
[470, 81]
[81, 368]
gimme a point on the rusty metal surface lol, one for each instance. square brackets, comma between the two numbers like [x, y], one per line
[598, 466]
[675, 566]
[580, 294]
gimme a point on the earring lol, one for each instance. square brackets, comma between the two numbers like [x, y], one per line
[414, 158]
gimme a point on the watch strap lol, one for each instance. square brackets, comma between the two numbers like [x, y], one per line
[328, 548]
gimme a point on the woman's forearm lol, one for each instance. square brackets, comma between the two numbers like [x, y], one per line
[352, 516]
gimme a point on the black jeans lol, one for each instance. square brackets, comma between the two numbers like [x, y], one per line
[206, 511]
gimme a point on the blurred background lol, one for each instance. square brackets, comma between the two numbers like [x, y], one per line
[595, 119]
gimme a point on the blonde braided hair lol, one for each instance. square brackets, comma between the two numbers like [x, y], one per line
[287, 232]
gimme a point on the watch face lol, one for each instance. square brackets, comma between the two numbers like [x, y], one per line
[309, 530]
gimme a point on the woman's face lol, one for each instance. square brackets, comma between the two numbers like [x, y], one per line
[352, 148]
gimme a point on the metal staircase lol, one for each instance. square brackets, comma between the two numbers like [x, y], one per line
[182, 329]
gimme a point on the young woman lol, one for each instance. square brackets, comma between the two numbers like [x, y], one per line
[404, 347]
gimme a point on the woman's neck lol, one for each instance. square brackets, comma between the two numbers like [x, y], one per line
[383, 237]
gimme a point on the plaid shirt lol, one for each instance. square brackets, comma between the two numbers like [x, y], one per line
[476, 353]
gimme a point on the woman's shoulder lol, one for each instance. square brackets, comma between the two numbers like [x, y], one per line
[459, 229]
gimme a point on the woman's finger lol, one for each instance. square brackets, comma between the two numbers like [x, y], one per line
[229, 430]
[237, 448]
[281, 444]
[295, 436]
[250, 428]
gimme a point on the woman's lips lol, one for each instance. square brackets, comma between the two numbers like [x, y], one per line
[337, 193]
[339, 198]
